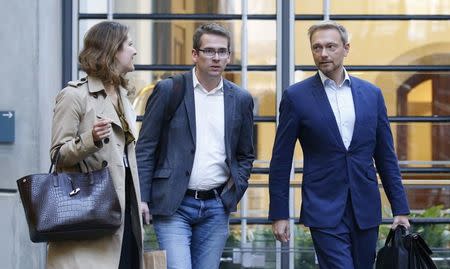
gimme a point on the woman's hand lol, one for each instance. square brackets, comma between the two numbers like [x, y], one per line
[101, 129]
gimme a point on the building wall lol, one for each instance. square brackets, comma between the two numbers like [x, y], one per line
[31, 76]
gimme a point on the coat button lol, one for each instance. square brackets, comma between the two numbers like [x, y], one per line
[192, 151]
[106, 140]
[104, 163]
[187, 173]
[83, 79]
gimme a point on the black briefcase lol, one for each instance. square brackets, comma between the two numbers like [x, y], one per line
[403, 250]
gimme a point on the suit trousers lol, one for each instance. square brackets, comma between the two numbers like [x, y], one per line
[345, 246]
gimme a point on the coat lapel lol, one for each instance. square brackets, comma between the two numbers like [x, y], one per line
[189, 103]
[130, 115]
[229, 104]
[325, 107]
[105, 108]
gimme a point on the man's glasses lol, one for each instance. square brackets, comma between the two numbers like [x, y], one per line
[210, 52]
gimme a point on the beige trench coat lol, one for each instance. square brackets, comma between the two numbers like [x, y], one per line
[77, 107]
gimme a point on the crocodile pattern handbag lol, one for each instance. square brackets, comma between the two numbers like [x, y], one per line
[69, 206]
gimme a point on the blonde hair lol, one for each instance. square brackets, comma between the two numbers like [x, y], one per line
[323, 25]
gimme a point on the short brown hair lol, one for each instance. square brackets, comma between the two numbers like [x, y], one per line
[324, 25]
[210, 28]
[98, 57]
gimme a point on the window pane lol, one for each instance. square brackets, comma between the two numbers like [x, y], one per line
[422, 196]
[259, 249]
[170, 42]
[144, 81]
[407, 93]
[261, 42]
[423, 7]
[193, 6]
[308, 7]
[261, 85]
[264, 136]
[262, 7]
[422, 142]
[386, 43]
[97, 6]
[177, 6]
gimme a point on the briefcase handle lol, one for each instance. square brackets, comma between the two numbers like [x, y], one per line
[390, 237]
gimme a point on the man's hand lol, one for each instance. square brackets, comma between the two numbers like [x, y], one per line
[400, 220]
[280, 229]
[145, 212]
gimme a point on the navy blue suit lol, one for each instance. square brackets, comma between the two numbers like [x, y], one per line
[332, 173]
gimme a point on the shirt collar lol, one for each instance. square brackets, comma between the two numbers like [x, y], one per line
[199, 86]
[326, 79]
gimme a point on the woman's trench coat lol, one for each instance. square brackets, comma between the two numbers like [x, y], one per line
[77, 107]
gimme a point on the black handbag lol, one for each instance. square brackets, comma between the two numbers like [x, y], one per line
[403, 250]
[69, 206]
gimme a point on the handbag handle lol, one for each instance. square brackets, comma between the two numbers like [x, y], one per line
[54, 162]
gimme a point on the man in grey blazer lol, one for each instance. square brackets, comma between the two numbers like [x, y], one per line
[194, 165]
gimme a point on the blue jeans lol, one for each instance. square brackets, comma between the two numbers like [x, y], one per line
[195, 236]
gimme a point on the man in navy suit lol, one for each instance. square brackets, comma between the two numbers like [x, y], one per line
[194, 165]
[341, 123]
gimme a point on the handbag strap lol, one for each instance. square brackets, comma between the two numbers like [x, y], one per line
[55, 159]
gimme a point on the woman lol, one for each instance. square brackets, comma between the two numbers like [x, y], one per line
[94, 121]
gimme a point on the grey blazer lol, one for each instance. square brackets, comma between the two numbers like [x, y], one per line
[165, 157]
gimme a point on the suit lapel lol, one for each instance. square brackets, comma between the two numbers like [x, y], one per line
[189, 103]
[357, 95]
[325, 107]
[229, 104]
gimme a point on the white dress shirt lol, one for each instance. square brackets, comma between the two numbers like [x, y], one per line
[341, 101]
[209, 170]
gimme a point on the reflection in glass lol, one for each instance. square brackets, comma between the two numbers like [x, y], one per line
[406, 93]
[392, 7]
[308, 7]
[422, 142]
[193, 6]
[177, 6]
[170, 42]
[261, 86]
[262, 7]
[261, 42]
[97, 6]
[404, 43]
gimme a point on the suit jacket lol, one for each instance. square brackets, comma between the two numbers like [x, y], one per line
[77, 107]
[330, 171]
[165, 157]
